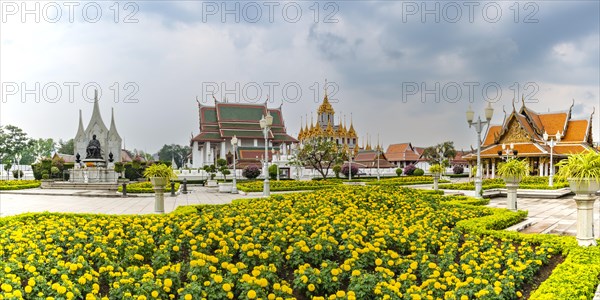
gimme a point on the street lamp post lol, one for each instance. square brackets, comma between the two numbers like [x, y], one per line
[265, 125]
[489, 112]
[350, 153]
[18, 160]
[550, 141]
[508, 151]
[234, 143]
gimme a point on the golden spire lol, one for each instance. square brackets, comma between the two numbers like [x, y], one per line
[341, 133]
[318, 130]
[329, 130]
[301, 133]
[325, 106]
[312, 126]
[351, 131]
[368, 142]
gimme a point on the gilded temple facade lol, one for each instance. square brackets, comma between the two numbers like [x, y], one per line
[524, 129]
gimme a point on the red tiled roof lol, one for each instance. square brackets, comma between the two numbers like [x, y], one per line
[569, 149]
[576, 130]
[402, 152]
[553, 122]
[491, 134]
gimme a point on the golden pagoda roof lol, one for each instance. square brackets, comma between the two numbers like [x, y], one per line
[351, 131]
[318, 130]
[325, 107]
[329, 130]
[341, 131]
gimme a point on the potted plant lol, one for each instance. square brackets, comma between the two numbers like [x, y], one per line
[159, 175]
[212, 171]
[513, 171]
[583, 173]
[224, 187]
[436, 170]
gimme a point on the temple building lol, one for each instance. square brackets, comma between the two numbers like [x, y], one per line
[219, 123]
[325, 127]
[109, 138]
[523, 131]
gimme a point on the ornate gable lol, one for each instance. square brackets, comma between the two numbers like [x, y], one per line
[514, 133]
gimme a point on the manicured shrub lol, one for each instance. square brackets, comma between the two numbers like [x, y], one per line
[45, 176]
[273, 171]
[251, 172]
[399, 171]
[409, 170]
[17, 174]
[418, 172]
[336, 170]
[458, 169]
[345, 170]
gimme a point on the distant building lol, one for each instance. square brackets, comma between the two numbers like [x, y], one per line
[219, 123]
[370, 159]
[110, 140]
[524, 129]
[403, 154]
[325, 127]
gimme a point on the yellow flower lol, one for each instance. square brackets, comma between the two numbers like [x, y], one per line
[168, 282]
[251, 294]
[227, 287]
[311, 287]
[187, 297]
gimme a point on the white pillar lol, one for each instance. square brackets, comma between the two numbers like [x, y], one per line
[540, 168]
[585, 219]
[223, 149]
[207, 152]
[493, 169]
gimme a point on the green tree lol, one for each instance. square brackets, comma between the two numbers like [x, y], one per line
[440, 153]
[321, 154]
[222, 168]
[177, 152]
[43, 148]
[67, 147]
[13, 140]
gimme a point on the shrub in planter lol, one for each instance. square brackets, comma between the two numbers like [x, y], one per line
[436, 169]
[418, 172]
[399, 171]
[409, 170]
[251, 172]
[54, 171]
[222, 168]
[580, 166]
[45, 176]
[513, 169]
[159, 171]
[17, 174]
[212, 170]
[458, 170]
[345, 170]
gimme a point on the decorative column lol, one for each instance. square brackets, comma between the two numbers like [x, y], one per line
[493, 168]
[511, 194]
[585, 196]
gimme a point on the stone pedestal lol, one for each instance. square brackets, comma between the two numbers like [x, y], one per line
[436, 180]
[511, 196]
[585, 219]
[158, 185]
[585, 195]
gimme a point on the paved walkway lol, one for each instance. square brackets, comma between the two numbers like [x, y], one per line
[102, 202]
[556, 216]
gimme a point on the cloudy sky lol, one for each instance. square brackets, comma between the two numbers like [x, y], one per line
[405, 70]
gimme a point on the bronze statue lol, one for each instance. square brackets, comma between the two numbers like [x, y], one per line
[93, 148]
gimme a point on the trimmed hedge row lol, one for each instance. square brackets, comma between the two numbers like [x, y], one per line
[575, 278]
[145, 188]
[19, 184]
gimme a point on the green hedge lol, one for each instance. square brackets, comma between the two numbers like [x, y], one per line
[529, 182]
[18, 184]
[145, 188]
[576, 278]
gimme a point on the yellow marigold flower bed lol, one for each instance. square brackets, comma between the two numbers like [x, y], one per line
[338, 243]
[18, 184]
